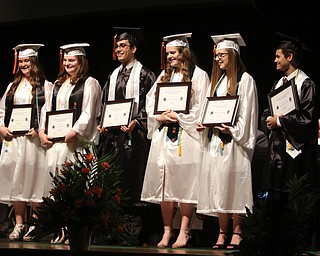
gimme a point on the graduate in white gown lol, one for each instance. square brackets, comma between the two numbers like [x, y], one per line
[73, 89]
[22, 158]
[175, 155]
[225, 179]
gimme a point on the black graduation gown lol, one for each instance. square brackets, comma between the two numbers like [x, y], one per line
[132, 150]
[301, 130]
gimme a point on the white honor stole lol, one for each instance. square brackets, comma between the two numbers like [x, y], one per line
[132, 86]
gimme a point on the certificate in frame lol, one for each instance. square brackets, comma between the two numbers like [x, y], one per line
[59, 123]
[284, 100]
[174, 96]
[220, 110]
[21, 119]
[117, 113]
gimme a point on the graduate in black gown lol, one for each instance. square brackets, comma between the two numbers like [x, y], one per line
[130, 80]
[293, 137]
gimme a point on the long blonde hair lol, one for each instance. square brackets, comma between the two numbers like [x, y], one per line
[235, 65]
[186, 59]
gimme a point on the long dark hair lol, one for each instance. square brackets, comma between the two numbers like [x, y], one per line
[37, 77]
[79, 76]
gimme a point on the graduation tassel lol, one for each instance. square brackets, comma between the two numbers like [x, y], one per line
[179, 142]
[114, 55]
[163, 56]
[15, 65]
[60, 61]
[214, 51]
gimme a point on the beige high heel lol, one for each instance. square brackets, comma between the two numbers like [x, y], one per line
[167, 236]
[17, 233]
[183, 238]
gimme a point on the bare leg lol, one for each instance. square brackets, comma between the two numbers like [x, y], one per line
[167, 216]
[184, 234]
[19, 212]
[236, 230]
[224, 219]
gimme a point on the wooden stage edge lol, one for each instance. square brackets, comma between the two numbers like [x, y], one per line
[45, 248]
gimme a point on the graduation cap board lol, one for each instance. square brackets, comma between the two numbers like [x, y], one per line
[24, 51]
[127, 33]
[178, 40]
[76, 49]
[295, 41]
[229, 41]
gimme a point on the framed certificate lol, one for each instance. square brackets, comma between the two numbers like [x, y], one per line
[220, 110]
[59, 123]
[174, 96]
[21, 119]
[283, 100]
[117, 113]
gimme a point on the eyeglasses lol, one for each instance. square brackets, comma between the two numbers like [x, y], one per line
[121, 46]
[220, 55]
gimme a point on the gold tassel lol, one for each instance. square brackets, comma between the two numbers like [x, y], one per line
[214, 50]
[180, 148]
[163, 56]
[114, 55]
[15, 65]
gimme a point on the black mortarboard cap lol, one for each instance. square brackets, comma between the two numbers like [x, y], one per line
[127, 32]
[295, 41]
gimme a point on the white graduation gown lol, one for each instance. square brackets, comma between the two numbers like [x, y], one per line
[22, 159]
[85, 126]
[225, 179]
[170, 177]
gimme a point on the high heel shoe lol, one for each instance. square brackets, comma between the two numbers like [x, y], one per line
[221, 245]
[183, 238]
[17, 233]
[60, 237]
[167, 236]
[233, 246]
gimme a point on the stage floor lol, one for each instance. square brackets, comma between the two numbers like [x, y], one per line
[45, 248]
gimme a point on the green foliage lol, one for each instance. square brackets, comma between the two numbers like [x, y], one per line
[280, 225]
[85, 194]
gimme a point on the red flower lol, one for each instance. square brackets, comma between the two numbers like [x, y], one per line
[117, 198]
[105, 165]
[89, 157]
[67, 164]
[97, 191]
[85, 170]
[119, 229]
[91, 203]
[78, 202]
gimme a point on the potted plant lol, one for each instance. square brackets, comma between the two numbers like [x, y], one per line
[85, 198]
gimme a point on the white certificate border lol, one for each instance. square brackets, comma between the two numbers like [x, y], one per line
[29, 111]
[284, 91]
[54, 114]
[169, 87]
[232, 101]
[111, 125]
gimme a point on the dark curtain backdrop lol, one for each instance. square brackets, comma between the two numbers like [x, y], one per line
[257, 21]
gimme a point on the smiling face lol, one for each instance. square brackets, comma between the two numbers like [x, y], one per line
[222, 58]
[125, 52]
[25, 66]
[173, 57]
[71, 64]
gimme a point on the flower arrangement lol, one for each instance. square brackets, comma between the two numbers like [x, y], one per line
[85, 194]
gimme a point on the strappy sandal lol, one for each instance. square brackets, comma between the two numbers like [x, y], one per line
[224, 245]
[235, 246]
[187, 237]
[17, 233]
[165, 241]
